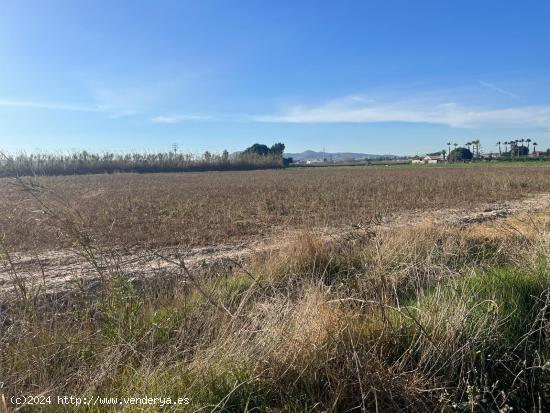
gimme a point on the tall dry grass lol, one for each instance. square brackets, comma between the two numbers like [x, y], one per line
[80, 163]
[426, 318]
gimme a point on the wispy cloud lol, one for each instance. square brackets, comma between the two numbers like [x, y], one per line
[48, 105]
[497, 89]
[430, 109]
[352, 110]
[114, 102]
[171, 119]
[129, 97]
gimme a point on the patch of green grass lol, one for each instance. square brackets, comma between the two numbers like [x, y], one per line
[230, 289]
[224, 385]
[508, 299]
[518, 296]
[483, 332]
[229, 387]
[119, 309]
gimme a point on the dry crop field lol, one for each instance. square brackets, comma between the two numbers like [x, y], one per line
[423, 315]
[215, 207]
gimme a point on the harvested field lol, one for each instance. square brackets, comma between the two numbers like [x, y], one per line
[197, 209]
[61, 270]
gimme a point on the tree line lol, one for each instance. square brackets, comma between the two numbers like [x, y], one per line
[84, 162]
[472, 150]
[517, 147]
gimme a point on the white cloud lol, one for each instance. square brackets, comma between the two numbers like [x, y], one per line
[497, 89]
[121, 102]
[166, 119]
[171, 119]
[431, 109]
[352, 110]
[131, 96]
[48, 105]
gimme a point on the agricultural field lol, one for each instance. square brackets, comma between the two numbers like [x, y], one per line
[309, 290]
[194, 209]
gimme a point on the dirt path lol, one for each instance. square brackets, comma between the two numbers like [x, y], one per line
[58, 271]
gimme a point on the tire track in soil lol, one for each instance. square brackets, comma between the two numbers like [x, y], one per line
[63, 270]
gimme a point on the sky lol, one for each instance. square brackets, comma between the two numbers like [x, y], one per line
[400, 77]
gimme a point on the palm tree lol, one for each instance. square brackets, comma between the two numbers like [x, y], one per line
[499, 151]
[455, 145]
[473, 148]
[528, 142]
[506, 146]
[443, 152]
[449, 145]
[534, 146]
[522, 140]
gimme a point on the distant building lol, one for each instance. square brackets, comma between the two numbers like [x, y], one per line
[416, 161]
[432, 159]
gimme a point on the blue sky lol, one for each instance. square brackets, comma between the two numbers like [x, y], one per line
[371, 76]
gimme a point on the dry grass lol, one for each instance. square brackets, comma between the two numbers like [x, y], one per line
[428, 319]
[81, 163]
[215, 207]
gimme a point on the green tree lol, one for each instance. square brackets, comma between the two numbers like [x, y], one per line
[258, 149]
[523, 151]
[225, 156]
[277, 148]
[476, 146]
[460, 155]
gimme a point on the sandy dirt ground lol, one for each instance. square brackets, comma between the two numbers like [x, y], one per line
[63, 270]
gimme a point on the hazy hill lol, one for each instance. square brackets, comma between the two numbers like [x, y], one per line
[337, 156]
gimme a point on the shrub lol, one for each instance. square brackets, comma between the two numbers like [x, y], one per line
[460, 155]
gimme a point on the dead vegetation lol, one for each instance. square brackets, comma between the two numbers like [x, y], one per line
[195, 209]
[82, 163]
[432, 318]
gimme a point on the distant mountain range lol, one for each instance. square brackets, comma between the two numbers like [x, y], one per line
[336, 157]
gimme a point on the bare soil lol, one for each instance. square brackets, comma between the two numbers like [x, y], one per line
[212, 208]
[62, 270]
